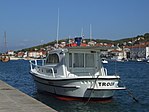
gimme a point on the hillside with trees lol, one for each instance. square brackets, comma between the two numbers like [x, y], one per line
[126, 41]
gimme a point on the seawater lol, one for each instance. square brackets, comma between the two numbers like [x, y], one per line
[134, 75]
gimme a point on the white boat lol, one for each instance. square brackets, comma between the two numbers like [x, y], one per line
[4, 58]
[74, 73]
[104, 61]
[120, 60]
[139, 60]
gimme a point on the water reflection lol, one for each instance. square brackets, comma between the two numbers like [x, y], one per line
[75, 106]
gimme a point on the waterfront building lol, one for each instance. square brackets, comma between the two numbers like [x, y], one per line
[36, 54]
[11, 52]
[147, 52]
[20, 54]
[139, 51]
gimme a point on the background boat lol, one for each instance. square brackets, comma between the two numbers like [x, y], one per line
[4, 57]
[104, 61]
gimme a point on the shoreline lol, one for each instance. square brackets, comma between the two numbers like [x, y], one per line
[16, 58]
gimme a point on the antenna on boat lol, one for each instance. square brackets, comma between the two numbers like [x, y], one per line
[57, 27]
[90, 32]
[82, 32]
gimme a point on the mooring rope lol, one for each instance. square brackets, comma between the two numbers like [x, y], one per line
[129, 92]
[91, 90]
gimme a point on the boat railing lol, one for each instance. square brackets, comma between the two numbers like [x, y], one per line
[34, 64]
[43, 61]
[104, 71]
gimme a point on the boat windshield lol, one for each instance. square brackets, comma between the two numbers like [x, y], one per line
[78, 60]
[81, 60]
[52, 59]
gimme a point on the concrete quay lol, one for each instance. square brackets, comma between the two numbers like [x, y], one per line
[13, 100]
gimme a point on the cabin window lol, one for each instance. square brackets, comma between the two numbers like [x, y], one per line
[50, 71]
[52, 59]
[70, 59]
[89, 60]
[78, 60]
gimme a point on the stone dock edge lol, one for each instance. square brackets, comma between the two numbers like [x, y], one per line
[13, 100]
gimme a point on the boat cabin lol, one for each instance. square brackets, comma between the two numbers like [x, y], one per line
[83, 61]
[74, 62]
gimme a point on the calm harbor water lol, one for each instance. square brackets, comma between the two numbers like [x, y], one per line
[134, 75]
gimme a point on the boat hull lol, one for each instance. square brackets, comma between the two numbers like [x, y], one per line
[78, 88]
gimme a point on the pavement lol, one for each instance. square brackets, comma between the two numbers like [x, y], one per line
[13, 100]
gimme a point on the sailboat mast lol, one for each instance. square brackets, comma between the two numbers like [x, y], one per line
[57, 27]
[5, 42]
[4, 57]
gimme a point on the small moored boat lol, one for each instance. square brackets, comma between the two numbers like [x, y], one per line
[74, 73]
[104, 61]
[4, 58]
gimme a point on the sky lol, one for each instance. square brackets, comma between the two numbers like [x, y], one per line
[33, 22]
